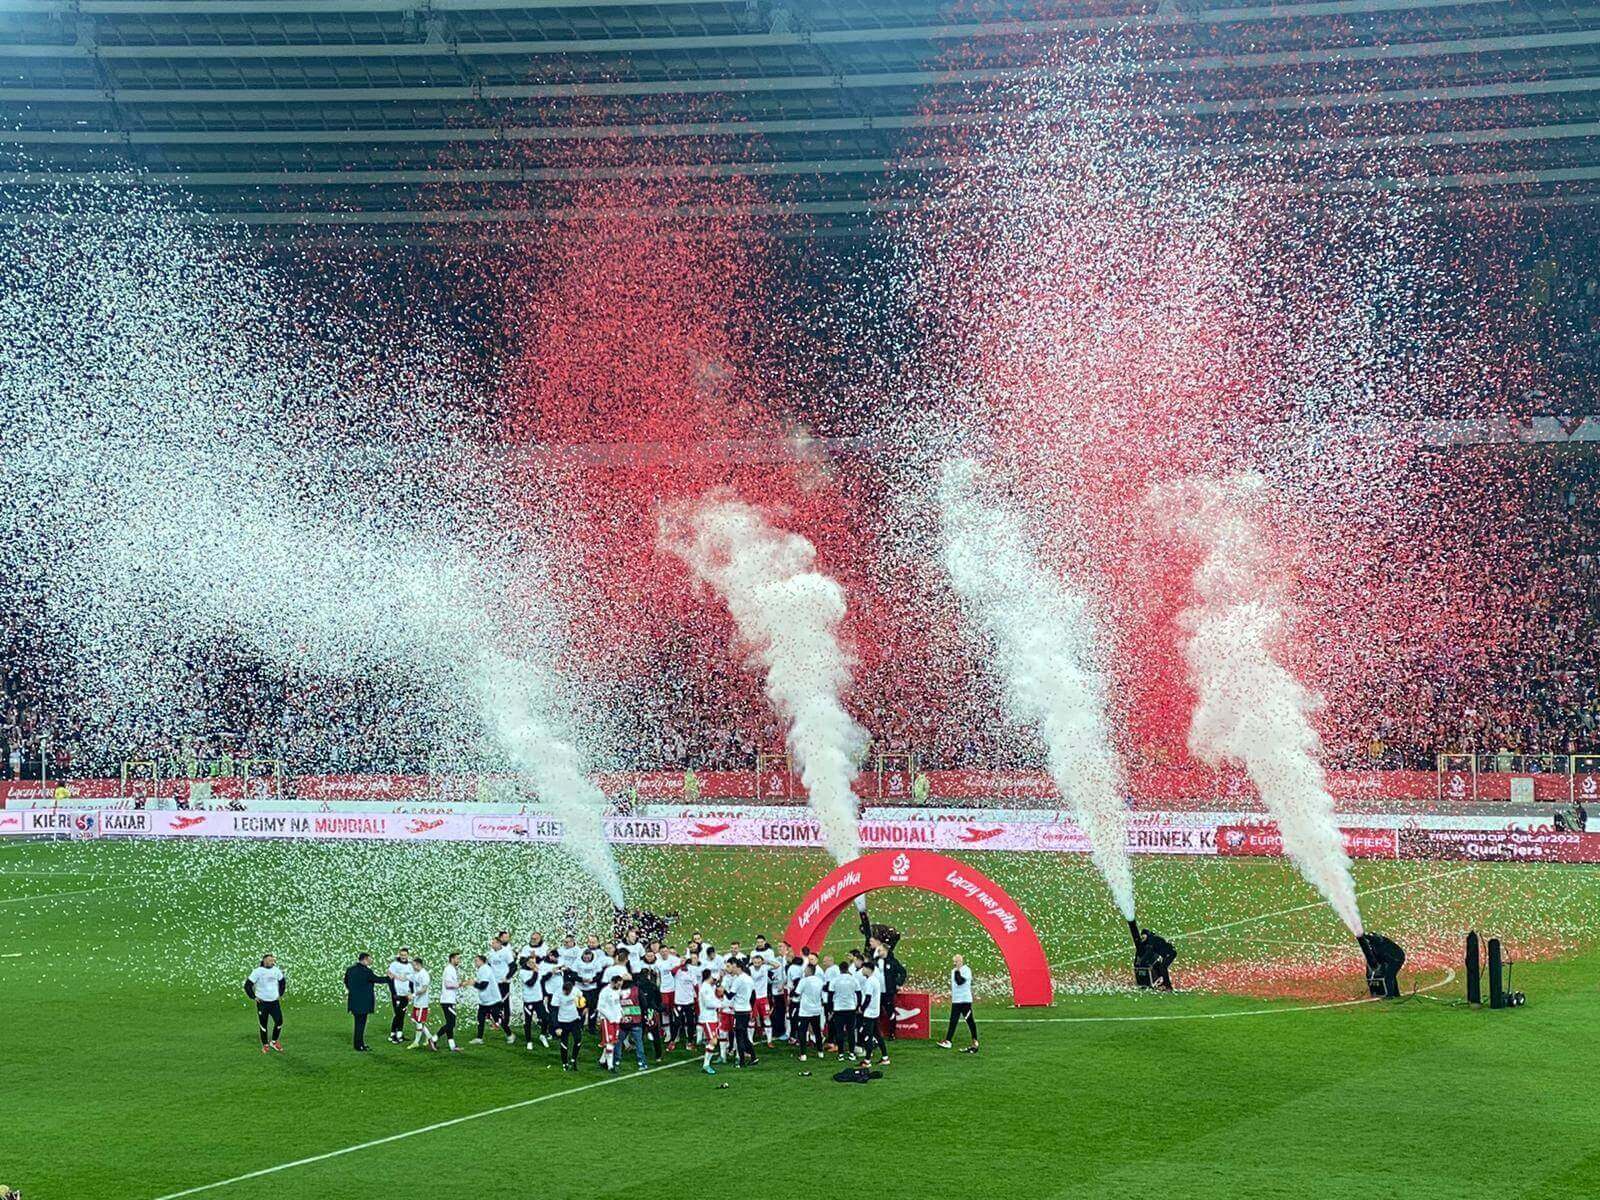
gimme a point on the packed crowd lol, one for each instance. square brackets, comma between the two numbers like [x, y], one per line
[692, 709]
[638, 996]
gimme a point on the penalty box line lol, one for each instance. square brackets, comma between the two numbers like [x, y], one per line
[1449, 978]
[411, 1133]
[1282, 912]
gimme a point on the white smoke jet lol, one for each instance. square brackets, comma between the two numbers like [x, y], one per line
[192, 467]
[1047, 648]
[788, 613]
[1250, 710]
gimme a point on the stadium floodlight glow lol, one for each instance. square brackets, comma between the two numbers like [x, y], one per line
[1384, 958]
[1153, 956]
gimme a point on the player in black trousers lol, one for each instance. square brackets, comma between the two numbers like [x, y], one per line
[359, 980]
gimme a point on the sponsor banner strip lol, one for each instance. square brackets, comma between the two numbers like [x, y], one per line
[1062, 837]
[1154, 786]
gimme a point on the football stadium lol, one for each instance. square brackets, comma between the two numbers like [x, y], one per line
[942, 597]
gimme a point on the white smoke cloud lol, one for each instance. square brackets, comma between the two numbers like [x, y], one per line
[1047, 650]
[1250, 710]
[788, 613]
[192, 465]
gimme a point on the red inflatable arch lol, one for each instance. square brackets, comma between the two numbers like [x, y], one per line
[1000, 916]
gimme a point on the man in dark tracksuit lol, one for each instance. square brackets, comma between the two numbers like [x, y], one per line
[359, 980]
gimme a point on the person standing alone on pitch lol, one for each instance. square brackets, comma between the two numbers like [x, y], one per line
[961, 1003]
[266, 986]
[359, 980]
[399, 993]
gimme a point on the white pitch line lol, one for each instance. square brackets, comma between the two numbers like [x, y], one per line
[74, 892]
[1449, 978]
[410, 1133]
[1282, 912]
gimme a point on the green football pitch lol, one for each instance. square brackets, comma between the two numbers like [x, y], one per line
[129, 1061]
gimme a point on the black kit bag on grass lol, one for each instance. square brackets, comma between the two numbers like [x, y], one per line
[857, 1075]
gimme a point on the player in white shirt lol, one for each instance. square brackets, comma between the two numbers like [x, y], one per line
[710, 1018]
[793, 973]
[961, 1003]
[504, 960]
[569, 952]
[532, 1000]
[569, 1019]
[608, 1008]
[846, 998]
[667, 964]
[761, 1003]
[634, 949]
[617, 968]
[421, 998]
[449, 993]
[399, 993]
[808, 994]
[588, 970]
[685, 988]
[871, 1012]
[741, 995]
[486, 982]
[266, 986]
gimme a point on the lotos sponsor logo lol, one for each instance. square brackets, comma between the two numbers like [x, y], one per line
[125, 822]
[971, 835]
[702, 829]
[86, 825]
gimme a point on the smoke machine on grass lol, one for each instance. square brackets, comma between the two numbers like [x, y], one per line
[1153, 956]
[1384, 960]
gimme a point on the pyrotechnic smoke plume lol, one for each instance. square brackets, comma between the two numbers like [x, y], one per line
[188, 466]
[789, 614]
[1250, 710]
[1047, 649]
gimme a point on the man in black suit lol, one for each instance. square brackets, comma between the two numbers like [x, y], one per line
[359, 980]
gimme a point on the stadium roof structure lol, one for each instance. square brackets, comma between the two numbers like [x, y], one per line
[383, 116]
